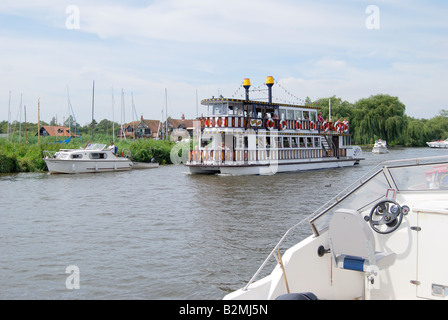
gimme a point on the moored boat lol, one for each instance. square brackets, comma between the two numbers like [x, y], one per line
[380, 146]
[239, 137]
[381, 238]
[438, 144]
[93, 158]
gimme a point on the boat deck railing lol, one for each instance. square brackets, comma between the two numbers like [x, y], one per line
[248, 156]
[244, 122]
[48, 154]
[330, 205]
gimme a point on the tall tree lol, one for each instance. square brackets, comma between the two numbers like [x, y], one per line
[379, 117]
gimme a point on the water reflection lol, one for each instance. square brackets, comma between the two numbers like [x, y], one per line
[153, 234]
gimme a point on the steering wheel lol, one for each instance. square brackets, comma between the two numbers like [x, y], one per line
[386, 216]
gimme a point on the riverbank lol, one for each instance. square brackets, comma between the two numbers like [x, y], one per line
[18, 157]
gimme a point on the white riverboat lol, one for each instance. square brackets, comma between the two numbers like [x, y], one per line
[381, 238]
[242, 137]
[438, 144]
[93, 158]
[380, 147]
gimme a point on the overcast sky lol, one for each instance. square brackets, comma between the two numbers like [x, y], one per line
[203, 48]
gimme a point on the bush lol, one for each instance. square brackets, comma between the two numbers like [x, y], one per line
[28, 157]
[8, 164]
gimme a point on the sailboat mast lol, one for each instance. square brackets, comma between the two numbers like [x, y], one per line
[123, 133]
[9, 115]
[20, 119]
[133, 121]
[113, 116]
[26, 134]
[197, 104]
[93, 105]
[38, 121]
[69, 114]
[166, 115]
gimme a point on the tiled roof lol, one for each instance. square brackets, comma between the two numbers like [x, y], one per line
[58, 131]
[184, 123]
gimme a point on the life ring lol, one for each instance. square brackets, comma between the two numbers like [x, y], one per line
[338, 127]
[270, 124]
[312, 125]
[345, 127]
[283, 125]
[323, 125]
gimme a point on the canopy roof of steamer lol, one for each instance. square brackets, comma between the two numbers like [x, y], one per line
[252, 102]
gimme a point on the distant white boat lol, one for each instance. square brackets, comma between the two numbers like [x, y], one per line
[93, 158]
[438, 144]
[380, 146]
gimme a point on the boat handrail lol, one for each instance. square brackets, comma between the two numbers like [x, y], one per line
[48, 154]
[337, 199]
[272, 252]
[311, 218]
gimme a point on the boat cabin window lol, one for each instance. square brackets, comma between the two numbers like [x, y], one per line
[98, 155]
[313, 115]
[261, 142]
[302, 142]
[218, 109]
[277, 142]
[236, 110]
[309, 142]
[282, 114]
[298, 115]
[316, 142]
[246, 142]
[76, 156]
[294, 142]
[285, 142]
[306, 115]
[290, 115]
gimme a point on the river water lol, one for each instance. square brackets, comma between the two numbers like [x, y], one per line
[154, 234]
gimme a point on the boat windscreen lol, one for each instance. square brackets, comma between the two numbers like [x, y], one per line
[95, 146]
[370, 192]
[421, 178]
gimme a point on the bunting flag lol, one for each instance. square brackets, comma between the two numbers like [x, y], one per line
[240, 93]
[294, 98]
[237, 94]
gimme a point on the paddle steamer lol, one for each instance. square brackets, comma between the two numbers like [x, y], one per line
[244, 137]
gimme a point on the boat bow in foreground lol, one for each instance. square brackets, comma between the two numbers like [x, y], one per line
[383, 237]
